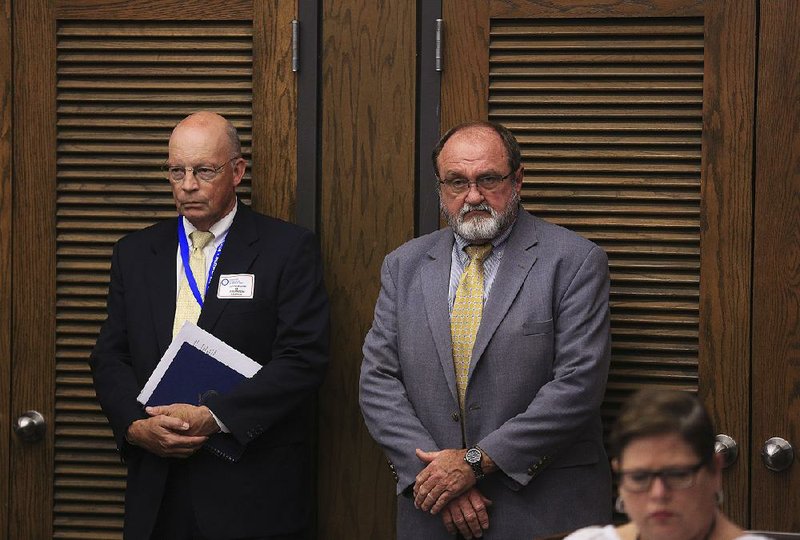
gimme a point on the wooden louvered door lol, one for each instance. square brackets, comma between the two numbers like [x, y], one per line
[635, 120]
[97, 87]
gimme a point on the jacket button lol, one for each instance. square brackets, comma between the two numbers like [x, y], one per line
[455, 416]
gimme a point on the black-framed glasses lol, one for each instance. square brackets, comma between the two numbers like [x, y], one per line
[489, 182]
[204, 173]
[640, 480]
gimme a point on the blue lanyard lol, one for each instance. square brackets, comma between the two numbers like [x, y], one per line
[184, 247]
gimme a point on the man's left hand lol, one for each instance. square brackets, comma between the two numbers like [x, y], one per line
[445, 477]
[467, 514]
[201, 421]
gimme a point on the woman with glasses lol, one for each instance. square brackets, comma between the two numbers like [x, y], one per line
[670, 479]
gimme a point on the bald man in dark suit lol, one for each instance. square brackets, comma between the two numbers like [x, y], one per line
[176, 488]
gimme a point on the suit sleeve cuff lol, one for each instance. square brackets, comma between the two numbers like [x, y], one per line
[222, 427]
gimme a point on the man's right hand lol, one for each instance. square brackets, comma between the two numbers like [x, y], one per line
[468, 514]
[162, 435]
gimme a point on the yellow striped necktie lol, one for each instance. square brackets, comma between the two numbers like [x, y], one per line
[466, 316]
[186, 306]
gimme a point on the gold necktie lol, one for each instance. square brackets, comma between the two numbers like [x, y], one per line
[466, 316]
[186, 306]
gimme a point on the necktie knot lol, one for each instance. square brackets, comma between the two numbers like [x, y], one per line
[200, 239]
[478, 252]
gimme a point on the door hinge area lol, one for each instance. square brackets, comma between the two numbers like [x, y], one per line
[295, 45]
[437, 58]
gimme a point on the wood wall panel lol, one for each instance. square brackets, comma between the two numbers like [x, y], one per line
[776, 276]
[5, 256]
[366, 210]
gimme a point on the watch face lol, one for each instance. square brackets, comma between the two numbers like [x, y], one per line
[473, 455]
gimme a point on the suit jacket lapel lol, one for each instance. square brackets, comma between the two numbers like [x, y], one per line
[237, 257]
[435, 277]
[518, 258]
[161, 279]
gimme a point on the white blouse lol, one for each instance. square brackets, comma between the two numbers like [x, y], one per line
[609, 532]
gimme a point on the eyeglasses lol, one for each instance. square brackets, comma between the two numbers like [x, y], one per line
[205, 173]
[639, 481]
[487, 183]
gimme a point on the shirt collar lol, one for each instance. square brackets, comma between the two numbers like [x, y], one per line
[219, 229]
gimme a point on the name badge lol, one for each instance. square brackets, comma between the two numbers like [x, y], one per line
[232, 286]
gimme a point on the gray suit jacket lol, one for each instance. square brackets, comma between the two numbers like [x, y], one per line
[536, 380]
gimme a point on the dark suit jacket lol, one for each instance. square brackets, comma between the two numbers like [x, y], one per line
[284, 328]
[536, 379]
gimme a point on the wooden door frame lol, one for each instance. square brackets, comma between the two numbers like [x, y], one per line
[274, 174]
[5, 258]
[726, 220]
[775, 368]
[33, 304]
[428, 129]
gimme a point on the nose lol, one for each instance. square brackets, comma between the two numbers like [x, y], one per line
[192, 185]
[658, 489]
[474, 195]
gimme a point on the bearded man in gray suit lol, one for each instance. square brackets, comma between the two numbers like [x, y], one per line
[491, 426]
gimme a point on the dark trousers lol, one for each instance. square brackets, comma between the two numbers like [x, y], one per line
[176, 518]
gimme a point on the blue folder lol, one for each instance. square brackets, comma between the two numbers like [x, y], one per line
[191, 375]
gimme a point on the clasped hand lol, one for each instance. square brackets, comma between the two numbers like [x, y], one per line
[176, 430]
[447, 485]
[445, 477]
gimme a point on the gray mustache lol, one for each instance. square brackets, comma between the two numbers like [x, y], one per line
[483, 207]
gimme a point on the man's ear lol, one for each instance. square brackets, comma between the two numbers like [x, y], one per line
[239, 168]
[519, 177]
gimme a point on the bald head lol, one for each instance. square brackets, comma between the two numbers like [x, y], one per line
[213, 123]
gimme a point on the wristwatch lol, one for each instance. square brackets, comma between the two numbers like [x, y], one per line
[473, 459]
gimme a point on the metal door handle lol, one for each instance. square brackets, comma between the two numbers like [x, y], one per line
[777, 454]
[725, 445]
[30, 426]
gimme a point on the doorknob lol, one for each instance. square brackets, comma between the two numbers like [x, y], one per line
[777, 454]
[725, 445]
[30, 426]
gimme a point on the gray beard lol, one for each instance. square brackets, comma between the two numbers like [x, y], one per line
[482, 229]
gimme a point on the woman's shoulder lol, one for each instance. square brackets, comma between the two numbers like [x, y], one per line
[594, 533]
